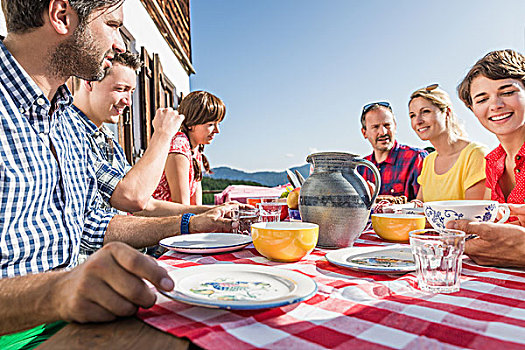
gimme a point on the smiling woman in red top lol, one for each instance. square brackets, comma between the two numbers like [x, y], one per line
[494, 89]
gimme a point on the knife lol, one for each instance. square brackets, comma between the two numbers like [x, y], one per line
[300, 177]
[292, 178]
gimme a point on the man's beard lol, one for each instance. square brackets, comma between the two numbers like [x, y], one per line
[78, 56]
[384, 147]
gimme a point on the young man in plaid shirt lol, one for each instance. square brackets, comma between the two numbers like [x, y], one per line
[398, 164]
[121, 186]
[124, 188]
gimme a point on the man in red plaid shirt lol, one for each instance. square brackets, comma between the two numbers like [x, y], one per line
[398, 164]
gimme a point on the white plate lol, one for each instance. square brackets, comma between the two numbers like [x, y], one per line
[240, 286]
[206, 243]
[391, 259]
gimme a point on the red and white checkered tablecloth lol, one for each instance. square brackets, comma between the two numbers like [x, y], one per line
[353, 310]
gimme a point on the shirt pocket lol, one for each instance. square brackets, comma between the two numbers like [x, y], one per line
[397, 189]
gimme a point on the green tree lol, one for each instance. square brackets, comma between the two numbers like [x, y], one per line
[218, 185]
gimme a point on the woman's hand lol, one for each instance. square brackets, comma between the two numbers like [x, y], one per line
[518, 210]
[496, 245]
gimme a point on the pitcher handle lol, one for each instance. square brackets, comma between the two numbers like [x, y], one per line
[377, 177]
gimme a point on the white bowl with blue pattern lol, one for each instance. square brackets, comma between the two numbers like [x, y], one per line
[441, 212]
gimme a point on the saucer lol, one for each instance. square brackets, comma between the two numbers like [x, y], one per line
[206, 243]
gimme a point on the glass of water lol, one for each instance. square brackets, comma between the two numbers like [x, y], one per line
[245, 217]
[437, 254]
[269, 211]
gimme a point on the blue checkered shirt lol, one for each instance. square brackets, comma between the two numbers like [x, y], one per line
[113, 163]
[49, 208]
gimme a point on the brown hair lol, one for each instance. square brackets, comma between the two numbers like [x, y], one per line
[127, 59]
[373, 107]
[21, 16]
[500, 64]
[200, 107]
[441, 100]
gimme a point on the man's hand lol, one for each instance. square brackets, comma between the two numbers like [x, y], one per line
[167, 121]
[109, 284]
[217, 219]
[497, 245]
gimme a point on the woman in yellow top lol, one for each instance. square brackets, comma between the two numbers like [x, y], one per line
[456, 170]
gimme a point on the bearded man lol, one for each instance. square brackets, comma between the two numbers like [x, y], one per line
[399, 165]
[48, 184]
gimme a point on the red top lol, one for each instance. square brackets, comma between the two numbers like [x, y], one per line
[494, 170]
[179, 144]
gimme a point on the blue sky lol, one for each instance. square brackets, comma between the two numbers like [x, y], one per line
[294, 74]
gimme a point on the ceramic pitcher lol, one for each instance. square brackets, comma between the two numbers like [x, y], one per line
[337, 198]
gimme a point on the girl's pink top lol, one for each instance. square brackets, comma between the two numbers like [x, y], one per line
[179, 144]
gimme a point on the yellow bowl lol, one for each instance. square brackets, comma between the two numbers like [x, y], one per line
[395, 227]
[285, 241]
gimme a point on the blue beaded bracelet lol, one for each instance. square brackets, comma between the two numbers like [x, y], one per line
[185, 223]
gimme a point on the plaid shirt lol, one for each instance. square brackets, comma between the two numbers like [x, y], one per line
[48, 207]
[399, 171]
[114, 165]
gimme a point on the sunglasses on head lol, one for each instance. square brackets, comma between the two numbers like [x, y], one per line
[431, 87]
[367, 107]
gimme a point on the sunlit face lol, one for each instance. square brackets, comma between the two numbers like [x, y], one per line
[203, 134]
[91, 46]
[426, 119]
[110, 96]
[380, 129]
[499, 104]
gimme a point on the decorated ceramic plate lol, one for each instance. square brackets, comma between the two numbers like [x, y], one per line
[240, 286]
[206, 243]
[391, 259]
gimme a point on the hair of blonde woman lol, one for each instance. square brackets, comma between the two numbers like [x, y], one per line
[500, 64]
[441, 100]
[200, 107]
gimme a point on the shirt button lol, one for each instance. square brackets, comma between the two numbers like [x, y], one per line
[392, 190]
[518, 170]
[40, 101]
[518, 157]
[22, 110]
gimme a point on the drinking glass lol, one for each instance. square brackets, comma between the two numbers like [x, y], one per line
[270, 211]
[437, 254]
[256, 200]
[245, 218]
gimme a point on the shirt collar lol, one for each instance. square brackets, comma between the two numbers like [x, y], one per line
[498, 154]
[22, 89]
[392, 154]
[90, 126]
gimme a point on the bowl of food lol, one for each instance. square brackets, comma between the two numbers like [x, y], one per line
[395, 227]
[285, 241]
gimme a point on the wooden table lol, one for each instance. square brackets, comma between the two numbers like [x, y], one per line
[125, 333]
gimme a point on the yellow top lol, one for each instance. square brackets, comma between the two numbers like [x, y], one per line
[468, 170]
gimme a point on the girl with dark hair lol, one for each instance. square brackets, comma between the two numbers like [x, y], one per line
[181, 181]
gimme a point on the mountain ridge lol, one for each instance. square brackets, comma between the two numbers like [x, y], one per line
[265, 178]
